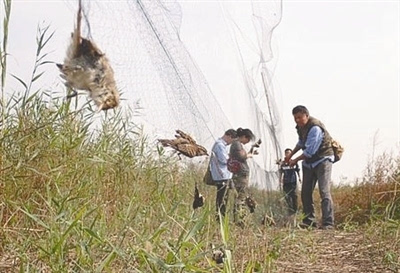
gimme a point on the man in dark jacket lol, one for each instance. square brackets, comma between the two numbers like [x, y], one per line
[317, 157]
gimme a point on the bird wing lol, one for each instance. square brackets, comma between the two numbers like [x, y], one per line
[188, 150]
[173, 143]
[185, 136]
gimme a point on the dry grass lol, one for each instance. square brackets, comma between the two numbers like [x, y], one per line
[365, 202]
[73, 201]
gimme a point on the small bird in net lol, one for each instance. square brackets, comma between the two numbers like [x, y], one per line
[184, 144]
[86, 68]
[218, 255]
[251, 204]
[255, 146]
[198, 200]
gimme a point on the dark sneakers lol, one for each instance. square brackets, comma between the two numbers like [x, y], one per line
[306, 225]
[313, 225]
[328, 227]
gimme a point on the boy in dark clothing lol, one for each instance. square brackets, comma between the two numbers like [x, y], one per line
[289, 181]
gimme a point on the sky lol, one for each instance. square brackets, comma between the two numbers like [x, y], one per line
[341, 59]
[343, 62]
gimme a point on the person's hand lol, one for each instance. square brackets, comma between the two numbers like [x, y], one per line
[287, 158]
[292, 163]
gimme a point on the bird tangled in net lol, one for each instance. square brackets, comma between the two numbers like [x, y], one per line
[184, 144]
[255, 146]
[218, 255]
[251, 203]
[86, 68]
[198, 200]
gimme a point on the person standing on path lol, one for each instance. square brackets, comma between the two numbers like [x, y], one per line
[318, 157]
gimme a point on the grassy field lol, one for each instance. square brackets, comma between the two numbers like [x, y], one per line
[82, 197]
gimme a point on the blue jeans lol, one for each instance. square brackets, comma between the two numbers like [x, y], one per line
[321, 173]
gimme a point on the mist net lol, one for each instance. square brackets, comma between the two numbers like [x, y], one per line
[157, 71]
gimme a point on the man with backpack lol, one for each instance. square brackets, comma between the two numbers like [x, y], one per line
[318, 157]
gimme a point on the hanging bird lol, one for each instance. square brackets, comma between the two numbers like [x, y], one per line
[181, 134]
[251, 203]
[198, 198]
[86, 68]
[218, 255]
[184, 144]
[255, 145]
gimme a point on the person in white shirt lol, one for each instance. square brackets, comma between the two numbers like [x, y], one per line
[219, 169]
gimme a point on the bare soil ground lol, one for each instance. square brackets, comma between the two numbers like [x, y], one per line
[335, 251]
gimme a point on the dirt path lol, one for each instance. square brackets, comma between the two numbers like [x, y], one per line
[333, 251]
[296, 250]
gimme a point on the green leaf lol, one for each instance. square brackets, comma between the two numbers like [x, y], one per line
[35, 218]
[20, 81]
[37, 76]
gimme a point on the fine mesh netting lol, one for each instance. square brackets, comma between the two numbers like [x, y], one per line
[157, 74]
[257, 63]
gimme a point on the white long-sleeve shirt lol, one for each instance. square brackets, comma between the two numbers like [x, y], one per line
[218, 161]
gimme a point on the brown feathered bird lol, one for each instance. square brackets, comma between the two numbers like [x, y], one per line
[86, 68]
[198, 200]
[184, 144]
